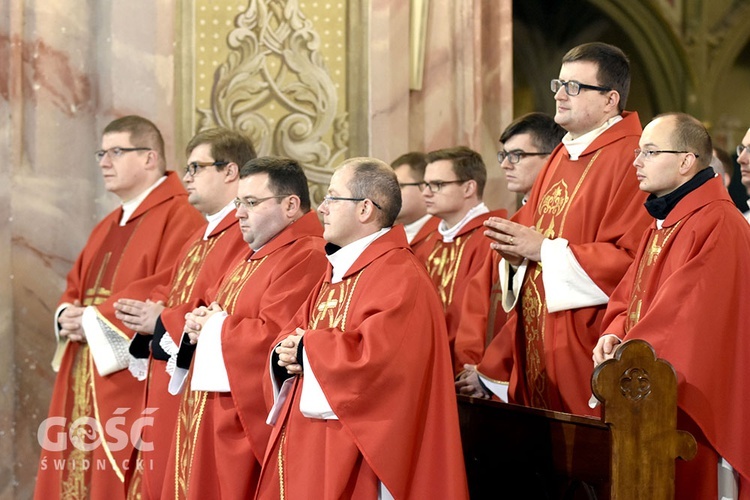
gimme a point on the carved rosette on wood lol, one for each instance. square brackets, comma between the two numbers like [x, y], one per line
[275, 87]
[639, 393]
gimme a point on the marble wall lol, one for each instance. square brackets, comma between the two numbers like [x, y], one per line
[68, 68]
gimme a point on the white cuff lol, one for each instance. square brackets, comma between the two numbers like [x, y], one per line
[177, 381]
[108, 345]
[511, 291]
[728, 481]
[566, 284]
[62, 343]
[313, 403]
[498, 389]
[209, 370]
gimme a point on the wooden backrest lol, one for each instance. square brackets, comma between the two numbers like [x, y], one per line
[639, 393]
[512, 451]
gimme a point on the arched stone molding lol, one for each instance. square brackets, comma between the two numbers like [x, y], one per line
[671, 77]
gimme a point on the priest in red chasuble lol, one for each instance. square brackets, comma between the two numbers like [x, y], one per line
[211, 178]
[420, 227]
[565, 251]
[525, 147]
[364, 403]
[222, 435]
[686, 294]
[453, 190]
[96, 402]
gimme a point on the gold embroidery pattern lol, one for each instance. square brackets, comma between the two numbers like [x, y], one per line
[645, 266]
[280, 464]
[74, 484]
[232, 287]
[533, 313]
[191, 415]
[334, 307]
[442, 266]
[98, 294]
[189, 270]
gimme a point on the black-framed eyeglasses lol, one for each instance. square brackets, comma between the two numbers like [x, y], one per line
[115, 152]
[436, 186]
[420, 185]
[249, 204]
[653, 153]
[742, 148]
[573, 88]
[331, 199]
[194, 166]
[516, 155]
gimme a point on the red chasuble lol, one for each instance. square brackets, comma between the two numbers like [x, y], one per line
[117, 262]
[202, 263]
[596, 205]
[380, 355]
[221, 437]
[686, 294]
[482, 316]
[452, 265]
[425, 239]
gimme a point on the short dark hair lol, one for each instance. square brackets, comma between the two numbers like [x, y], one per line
[545, 133]
[143, 133]
[375, 180]
[467, 164]
[612, 63]
[415, 160]
[285, 177]
[226, 145]
[690, 134]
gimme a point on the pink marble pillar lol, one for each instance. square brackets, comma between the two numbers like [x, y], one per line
[67, 69]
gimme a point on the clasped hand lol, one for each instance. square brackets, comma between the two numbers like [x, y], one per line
[196, 320]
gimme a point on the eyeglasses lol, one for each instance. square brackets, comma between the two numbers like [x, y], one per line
[648, 154]
[436, 186]
[250, 204]
[420, 185]
[515, 156]
[741, 148]
[573, 88]
[193, 167]
[116, 152]
[331, 199]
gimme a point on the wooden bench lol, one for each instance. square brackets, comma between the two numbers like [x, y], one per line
[514, 452]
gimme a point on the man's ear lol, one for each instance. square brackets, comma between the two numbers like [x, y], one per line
[231, 172]
[613, 100]
[291, 205]
[152, 160]
[470, 188]
[688, 164]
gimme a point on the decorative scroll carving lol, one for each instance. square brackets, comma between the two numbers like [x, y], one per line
[274, 87]
[635, 384]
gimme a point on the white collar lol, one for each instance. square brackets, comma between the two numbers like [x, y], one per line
[130, 206]
[413, 228]
[215, 219]
[449, 233]
[344, 257]
[577, 146]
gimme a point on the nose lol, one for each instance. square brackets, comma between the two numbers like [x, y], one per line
[506, 164]
[426, 191]
[561, 95]
[187, 177]
[638, 161]
[323, 208]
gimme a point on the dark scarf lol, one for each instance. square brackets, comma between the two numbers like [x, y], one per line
[660, 206]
